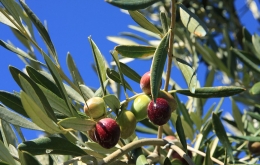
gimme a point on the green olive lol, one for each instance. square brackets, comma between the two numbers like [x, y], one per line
[127, 123]
[254, 148]
[95, 107]
[139, 107]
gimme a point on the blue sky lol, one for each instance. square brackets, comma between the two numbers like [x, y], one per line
[69, 25]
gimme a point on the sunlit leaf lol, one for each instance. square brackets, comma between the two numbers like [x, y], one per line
[141, 160]
[113, 102]
[208, 92]
[73, 69]
[100, 63]
[18, 52]
[188, 73]
[256, 43]
[121, 40]
[77, 123]
[55, 74]
[157, 66]
[50, 145]
[38, 116]
[255, 89]
[221, 134]
[131, 4]
[192, 22]
[16, 119]
[33, 91]
[135, 51]
[143, 22]
[55, 101]
[86, 91]
[5, 155]
[41, 29]
[6, 20]
[237, 116]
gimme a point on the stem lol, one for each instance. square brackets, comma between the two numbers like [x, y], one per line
[203, 154]
[168, 72]
[159, 136]
[120, 152]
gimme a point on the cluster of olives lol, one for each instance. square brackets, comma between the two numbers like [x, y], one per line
[158, 113]
[107, 131]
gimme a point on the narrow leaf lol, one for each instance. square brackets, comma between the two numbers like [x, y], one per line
[255, 89]
[237, 116]
[180, 133]
[192, 22]
[55, 101]
[158, 63]
[164, 22]
[188, 73]
[113, 102]
[77, 123]
[5, 155]
[41, 29]
[18, 52]
[246, 60]
[248, 138]
[112, 74]
[141, 160]
[11, 8]
[12, 101]
[6, 20]
[131, 4]
[209, 92]
[208, 160]
[27, 158]
[39, 78]
[50, 145]
[221, 134]
[73, 69]
[16, 119]
[143, 22]
[135, 51]
[100, 63]
[130, 73]
[55, 74]
[256, 43]
[86, 91]
[38, 116]
[33, 91]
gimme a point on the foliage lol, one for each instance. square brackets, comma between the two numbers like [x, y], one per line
[52, 103]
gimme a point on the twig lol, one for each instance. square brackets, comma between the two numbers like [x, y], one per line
[168, 72]
[203, 154]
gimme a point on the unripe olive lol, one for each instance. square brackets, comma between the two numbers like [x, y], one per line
[95, 107]
[254, 147]
[127, 123]
[171, 100]
[139, 107]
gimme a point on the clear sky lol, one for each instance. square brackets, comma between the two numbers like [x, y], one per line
[69, 24]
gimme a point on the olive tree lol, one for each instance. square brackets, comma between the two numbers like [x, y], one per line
[85, 125]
